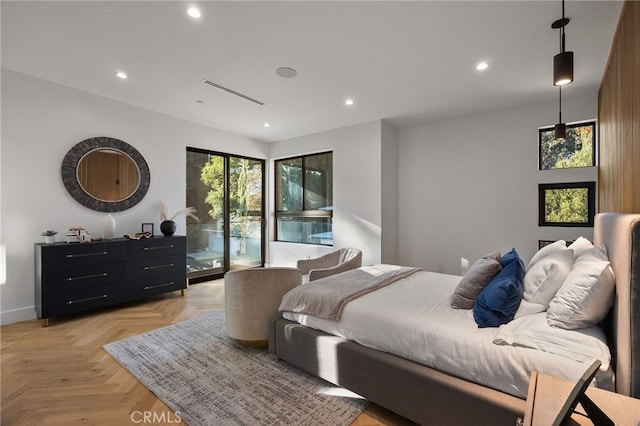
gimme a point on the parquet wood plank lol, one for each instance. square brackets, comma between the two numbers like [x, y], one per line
[60, 375]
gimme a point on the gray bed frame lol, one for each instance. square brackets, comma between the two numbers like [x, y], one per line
[427, 396]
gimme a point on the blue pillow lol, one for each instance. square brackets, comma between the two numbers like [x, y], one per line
[509, 257]
[498, 302]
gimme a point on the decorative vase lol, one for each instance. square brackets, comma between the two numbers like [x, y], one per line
[49, 239]
[109, 227]
[168, 227]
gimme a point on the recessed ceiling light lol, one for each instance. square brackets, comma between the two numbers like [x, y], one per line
[194, 12]
[482, 66]
[267, 125]
[121, 74]
[349, 102]
[286, 72]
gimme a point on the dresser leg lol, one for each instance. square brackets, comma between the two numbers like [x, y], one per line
[182, 292]
[45, 322]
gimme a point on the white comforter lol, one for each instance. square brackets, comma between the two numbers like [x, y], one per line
[412, 318]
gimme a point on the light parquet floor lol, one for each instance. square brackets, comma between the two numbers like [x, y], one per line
[60, 375]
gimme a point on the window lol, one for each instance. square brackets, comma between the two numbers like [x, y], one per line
[304, 199]
[566, 204]
[576, 150]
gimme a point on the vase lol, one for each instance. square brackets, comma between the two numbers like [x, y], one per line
[49, 239]
[109, 227]
[168, 227]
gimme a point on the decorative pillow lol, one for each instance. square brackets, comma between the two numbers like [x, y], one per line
[508, 257]
[476, 278]
[498, 302]
[585, 296]
[598, 252]
[547, 250]
[532, 331]
[543, 280]
[580, 245]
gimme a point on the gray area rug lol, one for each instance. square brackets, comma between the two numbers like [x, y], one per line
[208, 379]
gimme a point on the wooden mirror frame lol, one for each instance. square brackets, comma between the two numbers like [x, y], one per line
[70, 177]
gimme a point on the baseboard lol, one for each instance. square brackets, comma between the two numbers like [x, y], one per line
[18, 315]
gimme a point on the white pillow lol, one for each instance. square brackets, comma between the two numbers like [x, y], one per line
[532, 331]
[579, 245]
[546, 250]
[585, 296]
[598, 252]
[543, 280]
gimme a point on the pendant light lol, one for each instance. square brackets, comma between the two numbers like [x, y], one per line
[563, 61]
[560, 129]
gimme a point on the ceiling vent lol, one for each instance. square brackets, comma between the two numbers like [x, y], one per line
[233, 92]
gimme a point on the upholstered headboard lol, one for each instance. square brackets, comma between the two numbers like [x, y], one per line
[621, 235]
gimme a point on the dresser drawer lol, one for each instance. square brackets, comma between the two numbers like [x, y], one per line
[63, 255]
[156, 247]
[138, 289]
[82, 299]
[64, 279]
[142, 268]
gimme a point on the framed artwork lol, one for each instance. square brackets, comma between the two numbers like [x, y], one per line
[542, 243]
[147, 227]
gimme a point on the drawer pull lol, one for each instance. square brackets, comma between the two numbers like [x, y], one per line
[102, 253]
[168, 265]
[86, 277]
[150, 287]
[157, 248]
[88, 299]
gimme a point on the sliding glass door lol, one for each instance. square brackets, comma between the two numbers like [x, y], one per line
[228, 193]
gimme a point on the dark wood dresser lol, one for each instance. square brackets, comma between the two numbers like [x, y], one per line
[77, 277]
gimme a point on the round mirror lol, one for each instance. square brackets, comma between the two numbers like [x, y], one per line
[105, 174]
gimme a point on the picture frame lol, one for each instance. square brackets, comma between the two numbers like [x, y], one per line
[542, 243]
[147, 227]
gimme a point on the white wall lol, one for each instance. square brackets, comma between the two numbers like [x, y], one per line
[41, 121]
[356, 191]
[468, 186]
[389, 194]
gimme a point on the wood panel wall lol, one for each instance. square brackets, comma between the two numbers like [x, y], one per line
[619, 118]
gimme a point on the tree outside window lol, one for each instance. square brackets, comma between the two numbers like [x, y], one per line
[566, 204]
[576, 150]
[304, 199]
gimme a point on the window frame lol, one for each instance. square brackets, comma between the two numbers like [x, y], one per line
[591, 123]
[304, 213]
[590, 186]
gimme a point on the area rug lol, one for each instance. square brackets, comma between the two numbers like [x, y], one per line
[206, 378]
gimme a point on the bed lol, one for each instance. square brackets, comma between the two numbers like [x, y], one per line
[427, 395]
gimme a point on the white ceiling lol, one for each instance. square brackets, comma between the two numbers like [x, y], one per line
[406, 62]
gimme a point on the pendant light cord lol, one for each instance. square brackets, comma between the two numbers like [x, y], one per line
[562, 50]
[562, 43]
[559, 104]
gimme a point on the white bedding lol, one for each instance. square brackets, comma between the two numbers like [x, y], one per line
[412, 318]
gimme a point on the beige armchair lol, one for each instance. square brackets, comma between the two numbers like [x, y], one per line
[252, 296]
[331, 263]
